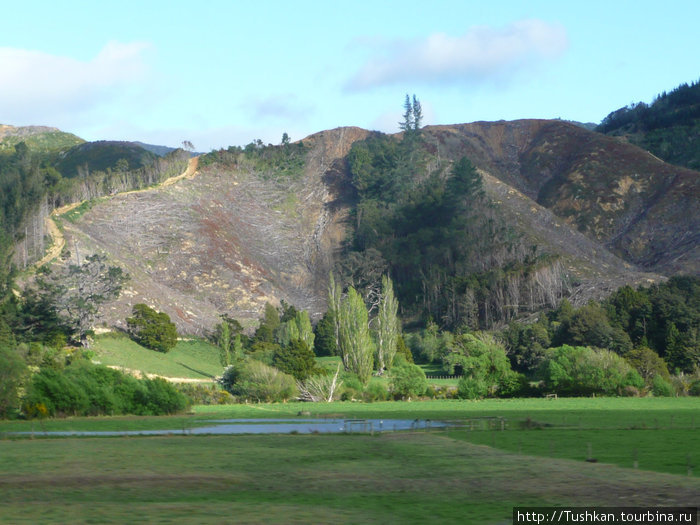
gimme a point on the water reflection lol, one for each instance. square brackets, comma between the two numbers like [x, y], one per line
[266, 426]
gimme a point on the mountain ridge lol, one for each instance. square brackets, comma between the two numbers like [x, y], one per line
[247, 240]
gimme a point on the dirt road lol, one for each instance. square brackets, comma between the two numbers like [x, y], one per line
[58, 241]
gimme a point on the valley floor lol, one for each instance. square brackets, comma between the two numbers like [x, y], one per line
[455, 476]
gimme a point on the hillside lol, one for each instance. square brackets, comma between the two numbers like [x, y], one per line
[262, 224]
[103, 155]
[635, 205]
[229, 239]
[37, 138]
[669, 127]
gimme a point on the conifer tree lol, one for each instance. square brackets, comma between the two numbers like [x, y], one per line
[408, 120]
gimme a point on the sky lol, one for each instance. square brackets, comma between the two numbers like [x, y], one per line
[221, 73]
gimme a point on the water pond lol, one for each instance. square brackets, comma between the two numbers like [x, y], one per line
[265, 426]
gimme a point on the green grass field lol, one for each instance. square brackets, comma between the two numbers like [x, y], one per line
[455, 476]
[393, 478]
[194, 359]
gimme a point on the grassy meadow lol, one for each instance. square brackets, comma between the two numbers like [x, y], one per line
[191, 359]
[438, 476]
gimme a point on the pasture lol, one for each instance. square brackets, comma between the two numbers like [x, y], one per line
[454, 476]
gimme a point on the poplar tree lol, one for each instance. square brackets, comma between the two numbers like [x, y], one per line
[356, 345]
[334, 296]
[388, 327]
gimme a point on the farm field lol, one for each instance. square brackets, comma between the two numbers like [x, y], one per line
[190, 359]
[393, 478]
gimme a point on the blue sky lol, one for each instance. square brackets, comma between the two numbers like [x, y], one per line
[221, 73]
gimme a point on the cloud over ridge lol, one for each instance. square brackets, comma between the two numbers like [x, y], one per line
[39, 85]
[482, 53]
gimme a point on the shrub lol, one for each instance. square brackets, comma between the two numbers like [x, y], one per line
[87, 389]
[579, 370]
[376, 391]
[259, 382]
[295, 359]
[694, 389]
[407, 380]
[199, 394]
[152, 329]
[12, 373]
[163, 397]
[472, 388]
[662, 388]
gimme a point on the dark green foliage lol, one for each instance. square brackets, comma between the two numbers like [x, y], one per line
[104, 155]
[12, 373]
[589, 325]
[436, 234]
[526, 344]
[263, 351]
[581, 371]
[403, 350]
[669, 127]
[152, 329]
[665, 317]
[324, 342]
[283, 162]
[295, 359]
[407, 380]
[268, 324]
[84, 389]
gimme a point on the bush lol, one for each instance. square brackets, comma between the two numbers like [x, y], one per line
[694, 389]
[295, 359]
[199, 394]
[376, 391]
[259, 382]
[84, 389]
[407, 381]
[152, 329]
[662, 388]
[579, 370]
[12, 373]
[472, 388]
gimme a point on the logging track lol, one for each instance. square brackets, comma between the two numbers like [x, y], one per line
[58, 241]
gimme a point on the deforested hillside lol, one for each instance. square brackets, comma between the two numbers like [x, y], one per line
[559, 212]
[254, 225]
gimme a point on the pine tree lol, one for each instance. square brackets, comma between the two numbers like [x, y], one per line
[408, 120]
[417, 113]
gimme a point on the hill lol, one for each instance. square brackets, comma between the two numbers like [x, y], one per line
[669, 127]
[635, 205]
[103, 155]
[37, 138]
[266, 223]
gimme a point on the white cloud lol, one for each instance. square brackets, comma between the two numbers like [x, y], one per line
[481, 54]
[38, 87]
